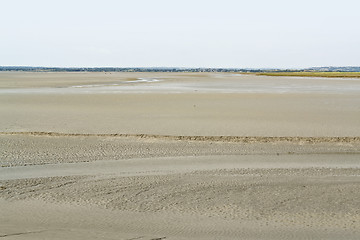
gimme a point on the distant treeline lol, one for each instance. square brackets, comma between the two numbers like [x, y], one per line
[116, 69]
[173, 69]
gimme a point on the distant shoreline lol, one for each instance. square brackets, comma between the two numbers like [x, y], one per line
[312, 74]
[315, 71]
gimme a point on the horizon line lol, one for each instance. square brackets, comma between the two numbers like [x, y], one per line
[175, 67]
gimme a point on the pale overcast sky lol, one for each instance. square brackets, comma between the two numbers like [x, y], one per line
[186, 33]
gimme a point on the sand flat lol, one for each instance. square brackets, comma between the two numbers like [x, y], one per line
[120, 156]
[205, 114]
[198, 104]
[210, 201]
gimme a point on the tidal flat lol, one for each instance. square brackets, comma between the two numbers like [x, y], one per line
[178, 156]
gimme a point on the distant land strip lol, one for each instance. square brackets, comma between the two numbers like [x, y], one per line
[241, 139]
[312, 74]
[330, 69]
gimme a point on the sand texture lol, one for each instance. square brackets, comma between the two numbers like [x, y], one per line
[178, 156]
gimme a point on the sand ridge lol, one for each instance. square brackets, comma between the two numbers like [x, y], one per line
[25, 150]
[253, 139]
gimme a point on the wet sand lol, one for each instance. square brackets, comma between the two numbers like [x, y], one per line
[177, 165]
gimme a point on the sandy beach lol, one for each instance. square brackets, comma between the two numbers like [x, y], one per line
[178, 156]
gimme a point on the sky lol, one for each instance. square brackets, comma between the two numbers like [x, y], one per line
[186, 33]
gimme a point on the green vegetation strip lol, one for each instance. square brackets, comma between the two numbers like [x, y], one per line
[313, 74]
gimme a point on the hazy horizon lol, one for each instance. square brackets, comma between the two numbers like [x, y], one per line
[186, 34]
[160, 67]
